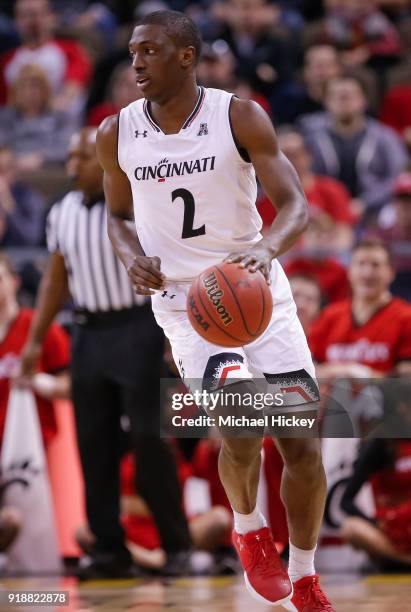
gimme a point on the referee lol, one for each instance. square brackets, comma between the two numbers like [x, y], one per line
[117, 352]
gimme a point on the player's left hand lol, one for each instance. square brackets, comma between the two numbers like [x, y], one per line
[258, 257]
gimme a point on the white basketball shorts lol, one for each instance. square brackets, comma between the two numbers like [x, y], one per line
[280, 355]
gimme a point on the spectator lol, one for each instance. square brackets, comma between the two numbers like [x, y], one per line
[64, 61]
[329, 232]
[217, 64]
[307, 297]
[327, 197]
[363, 154]
[329, 273]
[363, 32]
[53, 355]
[21, 209]
[89, 18]
[369, 334]
[247, 26]
[121, 91]
[395, 230]
[386, 537]
[217, 68]
[36, 133]
[321, 63]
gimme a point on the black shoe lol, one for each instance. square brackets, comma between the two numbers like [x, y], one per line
[226, 563]
[177, 564]
[98, 569]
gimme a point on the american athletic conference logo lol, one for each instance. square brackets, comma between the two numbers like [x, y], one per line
[203, 131]
[165, 169]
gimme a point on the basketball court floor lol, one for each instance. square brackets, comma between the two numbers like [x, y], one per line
[348, 593]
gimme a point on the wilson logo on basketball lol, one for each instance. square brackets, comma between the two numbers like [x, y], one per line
[215, 293]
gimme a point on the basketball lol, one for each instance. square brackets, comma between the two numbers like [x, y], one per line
[228, 305]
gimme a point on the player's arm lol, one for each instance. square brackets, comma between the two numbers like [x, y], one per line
[254, 132]
[52, 295]
[143, 271]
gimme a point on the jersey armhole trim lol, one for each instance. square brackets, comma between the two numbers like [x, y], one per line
[241, 151]
[118, 139]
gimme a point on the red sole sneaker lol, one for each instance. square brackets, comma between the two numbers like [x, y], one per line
[265, 577]
[280, 602]
[309, 597]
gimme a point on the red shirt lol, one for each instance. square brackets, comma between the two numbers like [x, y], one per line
[383, 341]
[55, 357]
[329, 274]
[395, 480]
[98, 113]
[332, 197]
[63, 61]
[325, 194]
[396, 108]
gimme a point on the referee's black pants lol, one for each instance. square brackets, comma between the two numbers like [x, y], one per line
[116, 369]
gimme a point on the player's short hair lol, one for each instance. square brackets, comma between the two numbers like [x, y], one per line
[374, 243]
[6, 262]
[178, 26]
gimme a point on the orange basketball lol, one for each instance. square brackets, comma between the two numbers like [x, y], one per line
[228, 305]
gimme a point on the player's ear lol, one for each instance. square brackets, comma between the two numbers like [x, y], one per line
[188, 57]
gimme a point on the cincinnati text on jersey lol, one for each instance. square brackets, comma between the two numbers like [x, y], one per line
[165, 169]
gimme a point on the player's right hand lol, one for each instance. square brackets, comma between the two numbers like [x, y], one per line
[145, 274]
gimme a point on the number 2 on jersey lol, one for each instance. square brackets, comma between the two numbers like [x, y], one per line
[189, 210]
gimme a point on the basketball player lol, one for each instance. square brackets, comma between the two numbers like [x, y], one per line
[186, 158]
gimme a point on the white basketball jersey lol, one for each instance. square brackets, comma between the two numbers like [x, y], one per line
[194, 195]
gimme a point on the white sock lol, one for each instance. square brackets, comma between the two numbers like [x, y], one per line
[243, 523]
[301, 563]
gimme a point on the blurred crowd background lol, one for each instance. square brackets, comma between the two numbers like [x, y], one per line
[334, 76]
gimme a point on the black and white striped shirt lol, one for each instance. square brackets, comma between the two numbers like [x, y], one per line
[97, 278]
